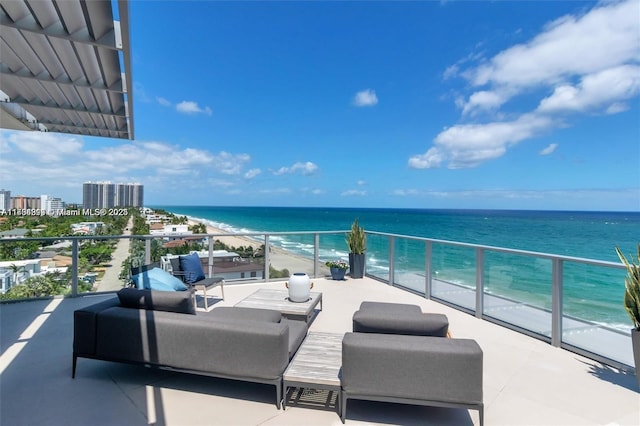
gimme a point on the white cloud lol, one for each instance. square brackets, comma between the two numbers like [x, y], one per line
[549, 150]
[190, 107]
[431, 159]
[468, 145]
[361, 182]
[404, 192]
[605, 37]
[483, 100]
[353, 192]
[606, 89]
[251, 173]
[306, 168]
[586, 63]
[162, 101]
[365, 98]
[55, 163]
[46, 147]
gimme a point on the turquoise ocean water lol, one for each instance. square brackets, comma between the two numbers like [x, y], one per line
[590, 293]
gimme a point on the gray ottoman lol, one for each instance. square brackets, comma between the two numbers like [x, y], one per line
[398, 318]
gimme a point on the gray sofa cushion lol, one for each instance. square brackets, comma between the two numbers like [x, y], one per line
[170, 301]
[398, 318]
[238, 313]
[246, 348]
[297, 333]
[414, 367]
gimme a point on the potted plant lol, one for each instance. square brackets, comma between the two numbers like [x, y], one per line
[338, 268]
[357, 242]
[632, 303]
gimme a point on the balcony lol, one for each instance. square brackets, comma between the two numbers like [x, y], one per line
[529, 376]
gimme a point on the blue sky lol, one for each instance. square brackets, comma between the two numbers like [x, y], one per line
[452, 104]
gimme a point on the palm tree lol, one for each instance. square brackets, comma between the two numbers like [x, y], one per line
[16, 269]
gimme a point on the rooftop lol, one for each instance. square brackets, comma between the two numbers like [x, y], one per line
[526, 381]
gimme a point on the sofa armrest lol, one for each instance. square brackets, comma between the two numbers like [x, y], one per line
[85, 325]
[413, 367]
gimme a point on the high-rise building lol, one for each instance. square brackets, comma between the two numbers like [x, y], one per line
[5, 199]
[129, 194]
[99, 195]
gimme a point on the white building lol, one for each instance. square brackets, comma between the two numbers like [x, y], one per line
[5, 199]
[172, 231]
[86, 227]
[14, 272]
[50, 204]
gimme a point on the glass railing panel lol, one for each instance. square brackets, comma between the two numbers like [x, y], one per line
[593, 314]
[332, 247]
[291, 253]
[409, 264]
[377, 255]
[36, 268]
[518, 290]
[453, 275]
[241, 258]
[101, 262]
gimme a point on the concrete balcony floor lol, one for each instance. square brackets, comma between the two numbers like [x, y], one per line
[526, 381]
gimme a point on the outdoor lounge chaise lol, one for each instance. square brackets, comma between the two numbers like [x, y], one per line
[162, 329]
[414, 365]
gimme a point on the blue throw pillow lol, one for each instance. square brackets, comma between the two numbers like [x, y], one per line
[192, 268]
[157, 279]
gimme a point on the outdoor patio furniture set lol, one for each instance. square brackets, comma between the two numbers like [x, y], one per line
[395, 353]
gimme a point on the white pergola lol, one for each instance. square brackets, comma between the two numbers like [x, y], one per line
[65, 66]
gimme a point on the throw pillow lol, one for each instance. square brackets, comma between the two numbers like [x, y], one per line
[157, 279]
[175, 301]
[192, 268]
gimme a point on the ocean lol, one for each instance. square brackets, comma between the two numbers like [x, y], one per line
[592, 293]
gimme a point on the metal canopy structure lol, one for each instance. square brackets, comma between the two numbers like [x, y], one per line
[65, 66]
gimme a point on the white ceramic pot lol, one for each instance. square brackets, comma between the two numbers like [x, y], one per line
[299, 286]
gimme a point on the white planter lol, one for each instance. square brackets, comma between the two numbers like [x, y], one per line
[299, 286]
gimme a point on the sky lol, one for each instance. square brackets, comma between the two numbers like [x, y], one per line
[433, 104]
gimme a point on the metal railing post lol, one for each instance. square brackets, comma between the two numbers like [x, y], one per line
[556, 303]
[479, 282]
[75, 254]
[147, 251]
[210, 256]
[392, 243]
[428, 251]
[316, 254]
[266, 257]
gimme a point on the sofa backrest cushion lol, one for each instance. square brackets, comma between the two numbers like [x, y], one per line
[192, 268]
[175, 301]
[157, 279]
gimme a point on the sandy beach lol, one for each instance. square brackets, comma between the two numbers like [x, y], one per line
[279, 258]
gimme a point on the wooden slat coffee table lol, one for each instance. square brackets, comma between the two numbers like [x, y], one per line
[316, 365]
[279, 301]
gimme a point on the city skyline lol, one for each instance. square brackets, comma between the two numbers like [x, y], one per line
[475, 105]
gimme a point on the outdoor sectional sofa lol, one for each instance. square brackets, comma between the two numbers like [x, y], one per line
[398, 354]
[162, 329]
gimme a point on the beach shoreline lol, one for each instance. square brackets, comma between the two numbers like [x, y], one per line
[279, 258]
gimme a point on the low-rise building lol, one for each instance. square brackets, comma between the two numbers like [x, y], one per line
[86, 228]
